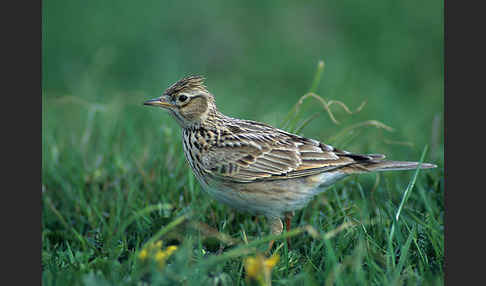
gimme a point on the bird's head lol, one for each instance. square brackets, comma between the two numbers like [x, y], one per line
[188, 101]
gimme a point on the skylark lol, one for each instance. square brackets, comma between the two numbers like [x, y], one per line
[254, 167]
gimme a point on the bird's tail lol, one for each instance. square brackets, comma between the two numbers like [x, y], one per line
[387, 165]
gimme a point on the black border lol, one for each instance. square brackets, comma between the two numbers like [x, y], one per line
[22, 131]
[463, 125]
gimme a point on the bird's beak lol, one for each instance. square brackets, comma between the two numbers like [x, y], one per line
[160, 101]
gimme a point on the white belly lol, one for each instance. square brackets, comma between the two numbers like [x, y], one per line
[282, 196]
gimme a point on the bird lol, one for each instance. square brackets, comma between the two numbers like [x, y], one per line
[254, 167]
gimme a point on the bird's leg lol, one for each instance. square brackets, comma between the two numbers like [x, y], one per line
[276, 228]
[288, 220]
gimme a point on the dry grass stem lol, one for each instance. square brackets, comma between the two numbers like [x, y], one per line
[209, 231]
[327, 104]
[334, 232]
[403, 143]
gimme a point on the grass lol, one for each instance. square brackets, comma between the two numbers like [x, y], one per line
[116, 180]
[114, 177]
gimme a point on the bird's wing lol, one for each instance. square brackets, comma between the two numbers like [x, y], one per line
[256, 151]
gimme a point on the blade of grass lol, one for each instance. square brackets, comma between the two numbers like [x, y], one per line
[289, 121]
[140, 213]
[64, 223]
[405, 196]
[403, 255]
[161, 232]
[169, 227]
[305, 123]
[317, 76]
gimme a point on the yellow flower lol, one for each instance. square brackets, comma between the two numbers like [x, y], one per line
[170, 249]
[158, 244]
[259, 268]
[162, 255]
[154, 251]
[272, 261]
[143, 254]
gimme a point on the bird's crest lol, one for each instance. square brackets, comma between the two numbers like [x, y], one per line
[190, 82]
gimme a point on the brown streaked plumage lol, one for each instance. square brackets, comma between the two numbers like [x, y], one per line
[254, 167]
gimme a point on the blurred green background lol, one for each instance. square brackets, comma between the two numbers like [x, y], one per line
[258, 57]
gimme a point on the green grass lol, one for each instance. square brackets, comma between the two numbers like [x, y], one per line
[113, 171]
[112, 183]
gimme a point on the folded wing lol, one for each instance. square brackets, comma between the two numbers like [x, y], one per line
[254, 151]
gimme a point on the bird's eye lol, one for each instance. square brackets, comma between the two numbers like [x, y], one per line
[182, 98]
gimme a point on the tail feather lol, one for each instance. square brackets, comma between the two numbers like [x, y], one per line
[387, 165]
